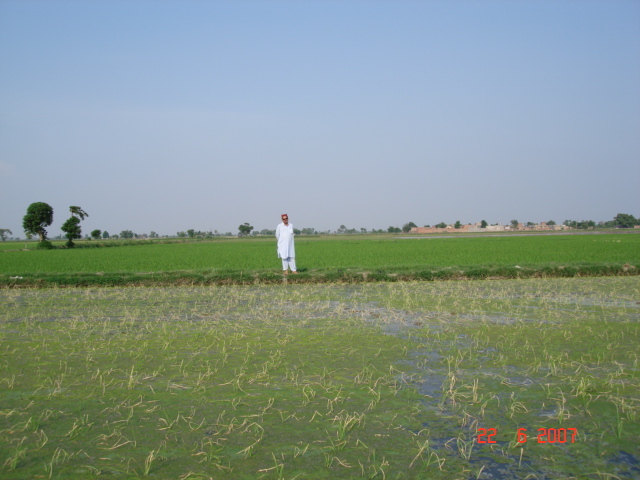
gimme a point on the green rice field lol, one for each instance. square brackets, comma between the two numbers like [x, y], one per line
[327, 259]
[498, 379]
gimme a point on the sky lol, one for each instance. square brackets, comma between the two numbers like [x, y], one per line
[171, 115]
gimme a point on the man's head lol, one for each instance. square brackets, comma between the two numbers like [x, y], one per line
[285, 218]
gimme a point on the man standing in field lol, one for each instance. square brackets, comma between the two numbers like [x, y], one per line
[286, 250]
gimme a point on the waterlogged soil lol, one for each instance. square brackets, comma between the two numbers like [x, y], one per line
[534, 379]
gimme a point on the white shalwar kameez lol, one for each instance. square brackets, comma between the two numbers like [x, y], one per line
[286, 250]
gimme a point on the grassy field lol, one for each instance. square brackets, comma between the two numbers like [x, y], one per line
[504, 379]
[356, 258]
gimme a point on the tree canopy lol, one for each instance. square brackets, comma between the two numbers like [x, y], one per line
[78, 212]
[625, 220]
[39, 216]
[71, 227]
[72, 230]
[406, 228]
[244, 229]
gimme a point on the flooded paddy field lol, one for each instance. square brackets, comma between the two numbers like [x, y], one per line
[531, 379]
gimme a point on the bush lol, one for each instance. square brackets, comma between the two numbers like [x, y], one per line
[477, 273]
[425, 275]
[378, 276]
[45, 245]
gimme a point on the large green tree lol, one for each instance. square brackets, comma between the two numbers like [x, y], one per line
[244, 229]
[625, 220]
[39, 216]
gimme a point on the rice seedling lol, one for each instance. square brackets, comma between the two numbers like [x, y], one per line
[393, 380]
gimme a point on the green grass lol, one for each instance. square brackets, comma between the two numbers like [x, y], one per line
[377, 381]
[351, 259]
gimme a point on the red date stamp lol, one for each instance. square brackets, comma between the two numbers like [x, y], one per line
[545, 435]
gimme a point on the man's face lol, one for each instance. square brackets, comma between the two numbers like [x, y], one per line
[285, 219]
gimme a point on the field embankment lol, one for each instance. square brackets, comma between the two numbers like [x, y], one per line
[321, 260]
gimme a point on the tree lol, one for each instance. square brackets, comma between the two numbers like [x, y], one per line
[78, 212]
[441, 225]
[394, 230]
[551, 222]
[586, 224]
[406, 228]
[191, 232]
[244, 229]
[72, 226]
[457, 225]
[342, 229]
[96, 234]
[4, 232]
[39, 216]
[625, 220]
[72, 230]
[126, 234]
[105, 234]
[484, 224]
[153, 234]
[514, 223]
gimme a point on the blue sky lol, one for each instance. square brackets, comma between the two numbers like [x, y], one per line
[170, 115]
